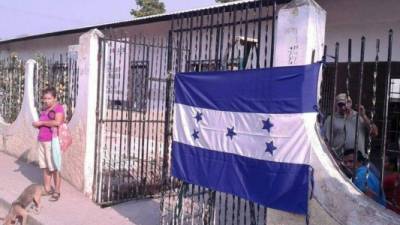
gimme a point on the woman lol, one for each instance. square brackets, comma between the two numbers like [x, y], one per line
[51, 116]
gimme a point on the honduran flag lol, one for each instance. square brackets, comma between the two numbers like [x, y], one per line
[245, 133]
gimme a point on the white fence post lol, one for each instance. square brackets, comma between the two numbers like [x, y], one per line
[79, 161]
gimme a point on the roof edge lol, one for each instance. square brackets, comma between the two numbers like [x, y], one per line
[139, 21]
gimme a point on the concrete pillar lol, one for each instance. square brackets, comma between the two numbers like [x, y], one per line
[300, 31]
[20, 137]
[79, 165]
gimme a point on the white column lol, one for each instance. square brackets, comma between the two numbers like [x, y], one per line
[83, 121]
[300, 31]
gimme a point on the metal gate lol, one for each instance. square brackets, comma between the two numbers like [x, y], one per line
[134, 111]
[131, 108]
[234, 37]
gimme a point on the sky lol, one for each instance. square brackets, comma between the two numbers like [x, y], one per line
[29, 17]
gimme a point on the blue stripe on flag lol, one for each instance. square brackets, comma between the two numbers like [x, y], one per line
[273, 90]
[282, 186]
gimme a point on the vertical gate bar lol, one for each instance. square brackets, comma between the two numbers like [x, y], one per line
[136, 121]
[98, 120]
[152, 110]
[273, 33]
[226, 209]
[221, 48]
[259, 34]
[206, 47]
[143, 117]
[189, 68]
[186, 48]
[179, 56]
[167, 120]
[211, 25]
[106, 152]
[239, 201]
[123, 128]
[129, 111]
[325, 97]
[233, 209]
[359, 102]
[158, 111]
[254, 38]
[246, 34]
[112, 158]
[238, 40]
[169, 69]
[119, 123]
[217, 40]
[266, 35]
[201, 40]
[147, 95]
[333, 104]
[373, 108]
[234, 9]
[348, 68]
[386, 104]
[196, 43]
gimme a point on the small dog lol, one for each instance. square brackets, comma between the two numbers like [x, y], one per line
[18, 210]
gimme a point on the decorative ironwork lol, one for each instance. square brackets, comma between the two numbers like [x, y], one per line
[61, 73]
[12, 73]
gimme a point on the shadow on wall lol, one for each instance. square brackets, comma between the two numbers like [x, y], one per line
[140, 212]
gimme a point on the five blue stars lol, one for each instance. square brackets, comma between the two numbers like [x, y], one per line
[270, 147]
[267, 125]
[231, 132]
[198, 116]
[195, 134]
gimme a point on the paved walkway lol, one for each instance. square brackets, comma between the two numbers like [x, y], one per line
[73, 208]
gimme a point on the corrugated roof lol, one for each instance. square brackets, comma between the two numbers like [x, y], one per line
[137, 21]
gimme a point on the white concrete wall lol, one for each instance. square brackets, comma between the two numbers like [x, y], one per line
[56, 45]
[20, 138]
[48, 46]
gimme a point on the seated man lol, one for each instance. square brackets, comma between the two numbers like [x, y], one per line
[370, 184]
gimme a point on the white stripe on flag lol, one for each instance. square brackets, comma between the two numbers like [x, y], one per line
[287, 134]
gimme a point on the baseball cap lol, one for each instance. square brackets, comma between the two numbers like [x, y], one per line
[342, 98]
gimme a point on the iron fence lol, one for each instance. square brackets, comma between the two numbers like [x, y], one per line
[373, 84]
[61, 73]
[12, 72]
[130, 118]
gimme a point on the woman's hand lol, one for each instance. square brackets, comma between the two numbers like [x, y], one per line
[37, 124]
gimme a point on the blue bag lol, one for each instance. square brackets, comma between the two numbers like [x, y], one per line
[56, 152]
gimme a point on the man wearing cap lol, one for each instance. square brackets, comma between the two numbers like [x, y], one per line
[344, 127]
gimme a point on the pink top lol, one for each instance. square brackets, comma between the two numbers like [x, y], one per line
[45, 133]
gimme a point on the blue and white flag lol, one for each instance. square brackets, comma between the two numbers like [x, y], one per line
[244, 133]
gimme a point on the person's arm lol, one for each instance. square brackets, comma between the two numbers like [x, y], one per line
[327, 129]
[372, 128]
[59, 118]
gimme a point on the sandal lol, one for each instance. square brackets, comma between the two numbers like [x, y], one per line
[47, 193]
[55, 196]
